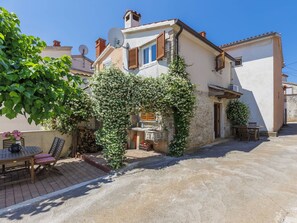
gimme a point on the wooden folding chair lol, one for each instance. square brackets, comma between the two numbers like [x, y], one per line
[49, 162]
[50, 152]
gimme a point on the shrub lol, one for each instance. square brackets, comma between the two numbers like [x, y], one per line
[238, 112]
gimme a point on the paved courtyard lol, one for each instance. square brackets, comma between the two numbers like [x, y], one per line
[236, 182]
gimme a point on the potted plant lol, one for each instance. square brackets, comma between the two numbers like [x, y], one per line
[15, 137]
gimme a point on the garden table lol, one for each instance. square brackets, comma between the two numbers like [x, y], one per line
[25, 155]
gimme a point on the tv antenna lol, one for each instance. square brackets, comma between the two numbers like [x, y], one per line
[116, 37]
[83, 49]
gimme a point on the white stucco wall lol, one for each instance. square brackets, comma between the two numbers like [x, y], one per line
[201, 61]
[255, 79]
[140, 39]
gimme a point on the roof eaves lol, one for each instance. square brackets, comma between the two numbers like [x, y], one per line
[203, 39]
[79, 56]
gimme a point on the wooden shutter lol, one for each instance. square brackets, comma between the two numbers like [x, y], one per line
[150, 116]
[133, 58]
[161, 46]
[220, 61]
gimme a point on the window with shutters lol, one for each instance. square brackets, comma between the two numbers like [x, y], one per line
[161, 46]
[149, 116]
[133, 58]
[149, 53]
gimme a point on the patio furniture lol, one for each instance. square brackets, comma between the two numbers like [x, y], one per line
[50, 152]
[6, 144]
[254, 132]
[50, 161]
[26, 154]
[243, 133]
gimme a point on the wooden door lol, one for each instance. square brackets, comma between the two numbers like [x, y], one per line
[217, 120]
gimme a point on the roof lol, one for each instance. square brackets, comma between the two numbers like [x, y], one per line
[249, 39]
[200, 37]
[178, 22]
[222, 92]
[82, 56]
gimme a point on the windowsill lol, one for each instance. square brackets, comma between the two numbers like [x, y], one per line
[148, 65]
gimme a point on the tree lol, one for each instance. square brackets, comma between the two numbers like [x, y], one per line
[29, 84]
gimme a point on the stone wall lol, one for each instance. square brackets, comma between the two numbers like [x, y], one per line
[202, 124]
[291, 108]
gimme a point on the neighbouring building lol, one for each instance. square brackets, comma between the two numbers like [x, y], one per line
[149, 49]
[258, 74]
[290, 90]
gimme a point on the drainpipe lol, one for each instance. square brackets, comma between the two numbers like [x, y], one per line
[177, 36]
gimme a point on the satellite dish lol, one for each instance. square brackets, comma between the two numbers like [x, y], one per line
[116, 37]
[83, 49]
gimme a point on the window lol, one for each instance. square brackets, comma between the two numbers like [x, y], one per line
[238, 61]
[149, 54]
[107, 63]
[289, 90]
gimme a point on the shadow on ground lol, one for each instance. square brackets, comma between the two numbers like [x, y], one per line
[48, 204]
[157, 162]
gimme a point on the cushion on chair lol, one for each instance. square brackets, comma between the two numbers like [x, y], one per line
[42, 155]
[46, 160]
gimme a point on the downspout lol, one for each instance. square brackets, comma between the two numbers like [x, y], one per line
[177, 36]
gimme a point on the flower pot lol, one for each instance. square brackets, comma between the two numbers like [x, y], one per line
[15, 148]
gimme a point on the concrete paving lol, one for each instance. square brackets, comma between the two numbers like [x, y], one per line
[233, 182]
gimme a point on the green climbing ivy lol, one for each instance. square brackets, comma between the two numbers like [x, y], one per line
[117, 95]
[238, 112]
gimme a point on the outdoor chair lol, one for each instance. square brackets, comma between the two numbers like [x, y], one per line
[50, 152]
[6, 144]
[243, 133]
[49, 162]
[252, 124]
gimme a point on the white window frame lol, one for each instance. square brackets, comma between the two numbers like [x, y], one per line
[150, 53]
[107, 63]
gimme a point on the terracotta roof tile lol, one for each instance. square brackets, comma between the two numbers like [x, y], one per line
[249, 39]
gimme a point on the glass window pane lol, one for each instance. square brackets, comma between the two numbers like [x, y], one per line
[146, 56]
[154, 52]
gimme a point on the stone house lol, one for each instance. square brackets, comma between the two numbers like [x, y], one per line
[148, 50]
[258, 74]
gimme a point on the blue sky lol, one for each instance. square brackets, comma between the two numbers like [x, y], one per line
[76, 22]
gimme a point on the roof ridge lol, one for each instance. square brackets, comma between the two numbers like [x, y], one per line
[271, 33]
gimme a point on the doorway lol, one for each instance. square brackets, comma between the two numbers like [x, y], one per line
[217, 120]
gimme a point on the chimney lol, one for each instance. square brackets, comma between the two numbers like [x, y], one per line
[132, 19]
[100, 46]
[203, 33]
[57, 43]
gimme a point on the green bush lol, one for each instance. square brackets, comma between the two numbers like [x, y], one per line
[238, 112]
[118, 95]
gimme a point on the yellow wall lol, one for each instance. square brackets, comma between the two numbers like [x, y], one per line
[44, 140]
[116, 56]
[278, 89]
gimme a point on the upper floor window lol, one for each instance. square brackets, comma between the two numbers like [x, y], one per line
[238, 61]
[149, 53]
